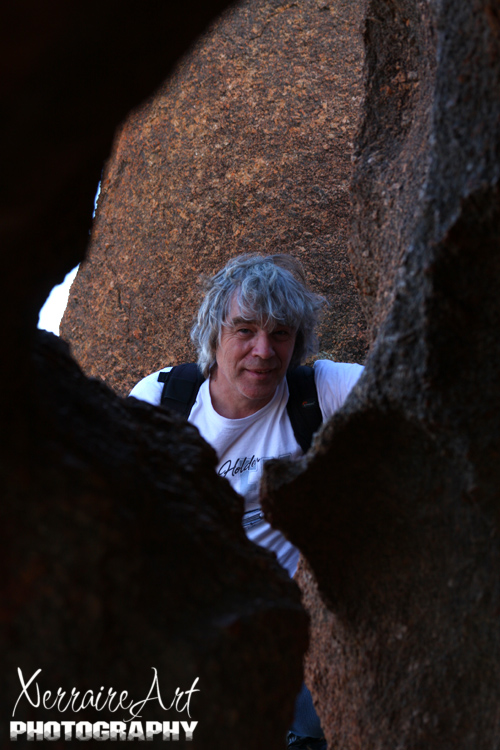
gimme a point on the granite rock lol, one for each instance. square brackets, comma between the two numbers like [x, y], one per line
[246, 148]
[126, 552]
[105, 502]
[71, 75]
[396, 511]
[402, 579]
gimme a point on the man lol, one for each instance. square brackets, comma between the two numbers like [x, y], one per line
[256, 324]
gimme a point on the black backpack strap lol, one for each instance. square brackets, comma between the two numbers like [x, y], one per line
[181, 387]
[303, 405]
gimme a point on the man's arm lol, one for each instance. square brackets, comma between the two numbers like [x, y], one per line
[334, 380]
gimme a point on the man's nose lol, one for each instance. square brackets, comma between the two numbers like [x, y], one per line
[263, 345]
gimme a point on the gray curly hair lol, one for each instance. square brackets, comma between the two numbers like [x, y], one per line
[268, 288]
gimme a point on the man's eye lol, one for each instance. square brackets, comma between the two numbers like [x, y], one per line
[281, 333]
[244, 331]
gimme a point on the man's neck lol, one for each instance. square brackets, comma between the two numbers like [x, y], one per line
[232, 407]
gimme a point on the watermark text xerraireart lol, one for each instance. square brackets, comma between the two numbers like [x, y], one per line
[104, 699]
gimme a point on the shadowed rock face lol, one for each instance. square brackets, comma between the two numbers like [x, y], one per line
[126, 552]
[392, 159]
[72, 74]
[121, 549]
[405, 479]
[247, 148]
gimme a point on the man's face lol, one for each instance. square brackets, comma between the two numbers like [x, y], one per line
[251, 362]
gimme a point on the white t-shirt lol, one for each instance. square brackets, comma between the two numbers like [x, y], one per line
[243, 445]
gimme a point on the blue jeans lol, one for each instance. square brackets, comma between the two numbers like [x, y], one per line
[305, 719]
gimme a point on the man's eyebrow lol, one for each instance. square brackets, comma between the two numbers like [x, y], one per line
[238, 321]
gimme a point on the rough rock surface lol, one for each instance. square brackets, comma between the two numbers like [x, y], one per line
[126, 552]
[71, 75]
[120, 548]
[246, 148]
[401, 497]
[402, 492]
[393, 156]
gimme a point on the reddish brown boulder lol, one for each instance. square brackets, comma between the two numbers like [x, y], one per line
[118, 540]
[71, 75]
[246, 148]
[393, 147]
[401, 495]
[121, 550]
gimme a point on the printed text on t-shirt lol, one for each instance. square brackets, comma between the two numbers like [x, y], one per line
[240, 465]
[243, 464]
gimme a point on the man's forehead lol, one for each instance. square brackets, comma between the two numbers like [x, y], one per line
[234, 307]
[237, 316]
[239, 319]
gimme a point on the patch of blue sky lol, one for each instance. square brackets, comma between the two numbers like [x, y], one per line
[52, 311]
[55, 304]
